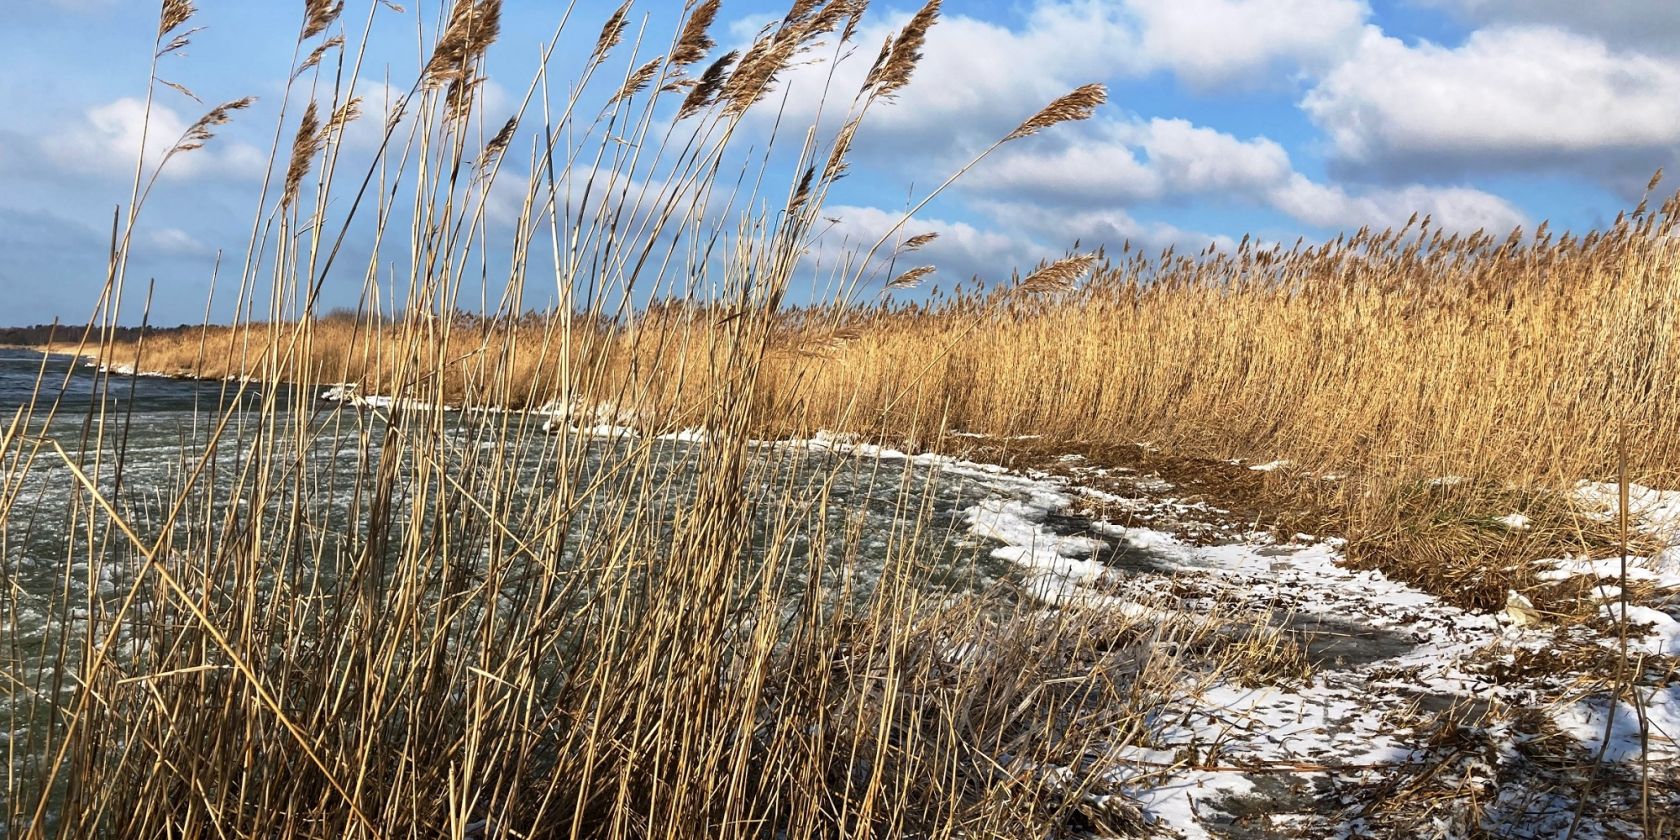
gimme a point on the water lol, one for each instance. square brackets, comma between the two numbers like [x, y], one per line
[308, 476]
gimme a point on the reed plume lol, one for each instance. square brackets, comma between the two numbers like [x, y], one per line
[173, 15]
[498, 143]
[1080, 104]
[899, 58]
[343, 116]
[1058, 276]
[201, 132]
[916, 242]
[318, 15]
[473, 26]
[910, 279]
[708, 86]
[315, 55]
[696, 40]
[305, 145]
[637, 81]
[612, 32]
[757, 70]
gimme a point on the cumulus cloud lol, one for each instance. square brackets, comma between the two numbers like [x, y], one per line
[1127, 162]
[108, 137]
[1120, 165]
[1509, 97]
[979, 78]
[174, 241]
[1653, 25]
[1221, 42]
[1110, 228]
[1451, 208]
[962, 250]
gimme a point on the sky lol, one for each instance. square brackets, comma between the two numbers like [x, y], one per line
[1278, 119]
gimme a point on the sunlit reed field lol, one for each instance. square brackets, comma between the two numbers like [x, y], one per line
[670, 617]
[1525, 363]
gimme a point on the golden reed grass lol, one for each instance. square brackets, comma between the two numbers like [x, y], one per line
[1385, 359]
[325, 623]
[1418, 356]
[322, 623]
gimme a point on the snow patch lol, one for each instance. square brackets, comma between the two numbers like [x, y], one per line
[1589, 720]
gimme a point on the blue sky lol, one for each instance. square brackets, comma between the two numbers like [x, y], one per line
[1276, 118]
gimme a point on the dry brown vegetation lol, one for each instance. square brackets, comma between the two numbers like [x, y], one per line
[1388, 359]
[332, 624]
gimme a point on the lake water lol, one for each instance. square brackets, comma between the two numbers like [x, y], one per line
[305, 474]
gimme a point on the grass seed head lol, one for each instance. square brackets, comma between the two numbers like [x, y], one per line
[305, 145]
[910, 279]
[318, 15]
[696, 40]
[1080, 104]
[1058, 276]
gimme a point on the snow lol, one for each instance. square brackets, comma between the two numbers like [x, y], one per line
[1356, 724]
[1662, 570]
[1588, 720]
[348, 393]
[1655, 512]
[1515, 521]
[1663, 636]
[1269, 466]
[687, 436]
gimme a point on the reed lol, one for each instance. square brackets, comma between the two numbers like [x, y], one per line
[320, 622]
[397, 623]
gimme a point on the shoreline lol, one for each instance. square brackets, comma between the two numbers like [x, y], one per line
[1391, 664]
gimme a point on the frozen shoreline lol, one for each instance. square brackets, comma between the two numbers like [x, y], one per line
[1348, 727]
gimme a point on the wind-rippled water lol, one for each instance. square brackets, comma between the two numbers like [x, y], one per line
[139, 440]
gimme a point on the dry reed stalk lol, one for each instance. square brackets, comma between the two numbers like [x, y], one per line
[695, 40]
[1058, 276]
[318, 15]
[901, 55]
[1077, 105]
[481, 629]
[910, 279]
[307, 143]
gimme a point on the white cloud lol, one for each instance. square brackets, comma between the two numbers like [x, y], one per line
[1119, 165]
[1513, 96]
[1653, 25]
[978, 79]
[1108, 228]
[108, 137]
[1124, 163]
[1451, 208]
[1223, 42]
[962, 250]
[174, 241]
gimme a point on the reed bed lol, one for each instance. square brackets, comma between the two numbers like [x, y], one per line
[319, 622]
[1398, 352]
[1512, 366]
[332, 623]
